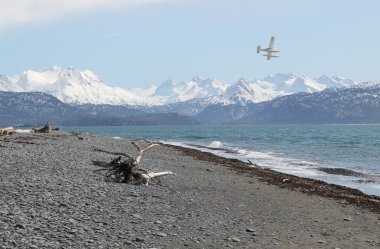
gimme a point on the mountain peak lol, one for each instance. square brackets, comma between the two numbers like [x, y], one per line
[74, 76]
[55, 68]
[166, 88]
[84, 86]
[241, 81]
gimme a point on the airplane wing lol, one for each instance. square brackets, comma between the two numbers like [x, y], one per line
[271, 43]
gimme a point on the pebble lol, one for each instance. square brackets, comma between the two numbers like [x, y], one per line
[137, 216]
[138, 239]
[72, 231]
[235, 239]
[347, 219]
[21, 226]
[134, 194]
[161, 234]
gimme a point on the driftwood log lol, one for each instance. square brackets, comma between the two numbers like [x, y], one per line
[44, 129]
[10, 130]
[6, 131]
[124, 168]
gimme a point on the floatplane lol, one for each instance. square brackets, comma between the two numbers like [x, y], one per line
[270, 51]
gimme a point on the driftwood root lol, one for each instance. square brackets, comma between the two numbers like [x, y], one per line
[124, 168]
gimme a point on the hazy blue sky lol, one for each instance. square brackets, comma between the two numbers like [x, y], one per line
[132, 43]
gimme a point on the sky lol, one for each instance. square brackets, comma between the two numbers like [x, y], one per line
[137, 43]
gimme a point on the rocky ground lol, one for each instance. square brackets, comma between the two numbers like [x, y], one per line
[51, 197]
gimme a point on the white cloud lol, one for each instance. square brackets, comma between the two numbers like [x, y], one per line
[13, 12]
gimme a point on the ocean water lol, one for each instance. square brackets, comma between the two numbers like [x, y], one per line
[301, 150]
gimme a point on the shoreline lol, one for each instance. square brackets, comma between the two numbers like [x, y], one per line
[333, 164]
[51, 196]
[291, 182]
[366, 182]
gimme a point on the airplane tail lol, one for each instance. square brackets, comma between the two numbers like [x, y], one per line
[258, 49]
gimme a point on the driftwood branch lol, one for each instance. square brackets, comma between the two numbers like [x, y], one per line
[125, 170]
[141, 151]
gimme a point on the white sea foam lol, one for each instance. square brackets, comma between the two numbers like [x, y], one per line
[280, 163]
[215, 144]
[117, 138]
[243, 152]
[263, 159]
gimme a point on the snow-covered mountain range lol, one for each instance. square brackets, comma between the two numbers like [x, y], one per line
[74, 86]
[70, 86]
[359, 104]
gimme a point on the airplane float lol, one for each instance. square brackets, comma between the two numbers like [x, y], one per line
[270, 51]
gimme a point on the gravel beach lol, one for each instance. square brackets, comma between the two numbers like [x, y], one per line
[51, 197]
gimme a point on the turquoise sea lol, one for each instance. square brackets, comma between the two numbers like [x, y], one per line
[295, 149]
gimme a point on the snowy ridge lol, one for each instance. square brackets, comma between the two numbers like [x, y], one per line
[74, 86]
[71, 86]
[243, 92]
[7, 85]
[197, 88]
